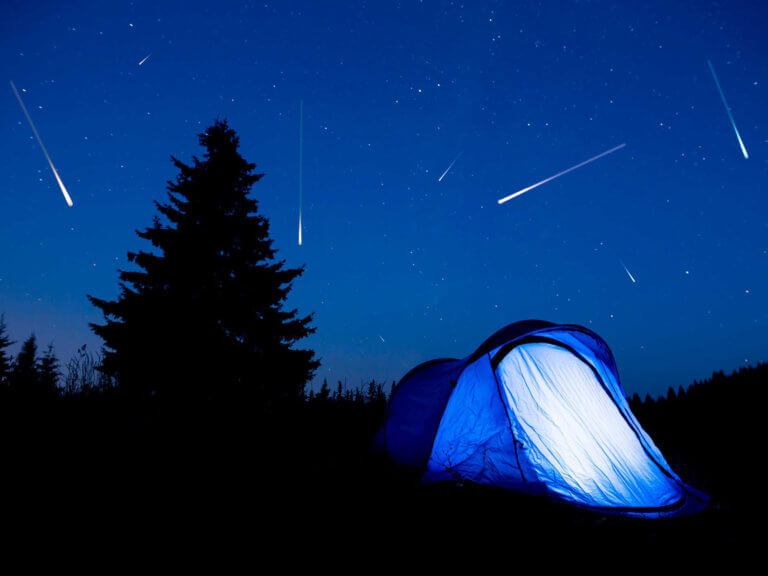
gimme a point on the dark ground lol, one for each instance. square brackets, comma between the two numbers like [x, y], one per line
[312, 477]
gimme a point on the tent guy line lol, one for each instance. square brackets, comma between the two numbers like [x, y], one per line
[571, 169]
[42, 146]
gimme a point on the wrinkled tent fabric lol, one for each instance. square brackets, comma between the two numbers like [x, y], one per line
[537, 408]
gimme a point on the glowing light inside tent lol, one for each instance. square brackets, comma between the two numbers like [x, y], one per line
[574, 436]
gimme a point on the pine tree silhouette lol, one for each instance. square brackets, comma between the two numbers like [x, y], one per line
[5, 356]
[325, 392]
[25, 377]
[204, 316]
[49, 372]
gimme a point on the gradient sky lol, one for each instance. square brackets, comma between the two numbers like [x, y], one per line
[402, 268]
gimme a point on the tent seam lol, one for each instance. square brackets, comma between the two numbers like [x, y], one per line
[509, 420]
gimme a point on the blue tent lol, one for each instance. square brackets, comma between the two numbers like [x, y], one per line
[537, 408]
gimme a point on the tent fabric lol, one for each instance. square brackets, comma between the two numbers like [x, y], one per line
[474, 439]
[537, 408]
[417, 406]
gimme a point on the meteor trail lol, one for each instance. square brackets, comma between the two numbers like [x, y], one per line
[728, 110]
[382, 339]
[571, 169]
[628, 272]
[42, 146]
[301, 147]
[449, 167]
[145, 59]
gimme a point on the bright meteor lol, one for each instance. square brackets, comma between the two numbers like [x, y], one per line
[42, 146]
[571, 169]
[301, 158]
[628, 273]
[145, 59]
[728, 110]
[449, 167]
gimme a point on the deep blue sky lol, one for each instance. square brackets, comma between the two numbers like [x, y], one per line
[402, 268]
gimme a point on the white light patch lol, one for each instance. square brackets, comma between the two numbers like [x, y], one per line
[571, 169]
[728, 110]
[575, 439]
[67, 198]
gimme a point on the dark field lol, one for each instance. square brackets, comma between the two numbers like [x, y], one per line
[312, 474]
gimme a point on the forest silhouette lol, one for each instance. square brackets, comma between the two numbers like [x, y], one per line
[200, 395]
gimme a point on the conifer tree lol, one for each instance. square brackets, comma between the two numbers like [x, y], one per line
[49, 372]
[24, 374]
[202, 315]
[325, 392]
[5, 356]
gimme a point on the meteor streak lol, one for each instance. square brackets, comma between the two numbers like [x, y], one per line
[449, 167]
[301, 159]
[728, 110]
[571, 169]
[628, 273]
[42, 146]
[145, 59]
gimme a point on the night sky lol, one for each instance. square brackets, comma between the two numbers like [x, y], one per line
[402, 268]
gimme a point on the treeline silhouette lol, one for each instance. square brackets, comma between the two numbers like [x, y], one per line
[74, 420]
[711, 431]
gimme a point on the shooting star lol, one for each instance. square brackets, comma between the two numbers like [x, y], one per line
[42, 146]
[301, 159]
[571, 169]
[449, 167]
[728, 110]
[145, 59]
[628, 272]
[382, 339]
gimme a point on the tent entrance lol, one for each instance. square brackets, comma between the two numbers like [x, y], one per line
[574, 438]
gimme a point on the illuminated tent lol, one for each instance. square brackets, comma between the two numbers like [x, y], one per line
[538, 408]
